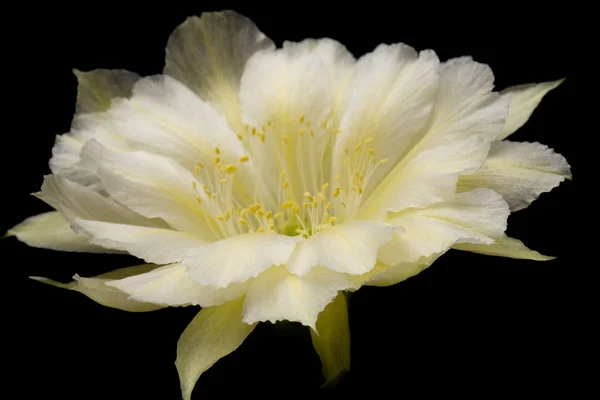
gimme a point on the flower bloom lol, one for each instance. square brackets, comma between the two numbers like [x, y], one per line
[263, 183]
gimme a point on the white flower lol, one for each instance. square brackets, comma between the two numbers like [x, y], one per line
[261, 183]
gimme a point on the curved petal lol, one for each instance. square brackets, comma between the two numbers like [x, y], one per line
[277, 295]
[152, 185]
[477, 216]
[96, 89]
[171, 285]
[523, 101]
[77, 201]
[504, 246]
[332, 343]
[213, 333]
[221, 263]
[96, 288]
[51, 230]
[209, 53]
[467, 112]
[350, 247]
[390, 275]
[390, 98]
[165, 117]
[518, 171]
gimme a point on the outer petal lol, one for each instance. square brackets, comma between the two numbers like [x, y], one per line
[504, 246]
[518, 171]
[347, 248]
[388, 276]
[171, 285]
[51, 230]
[279, 295]
[96, 288]
[77, 201]
[165, 117]
[99, 87]
[332, 343]
[477, 216]
[221, 263]
[523, 100]
[466, 111]
[212, 334]
[152, 185]
[390, 99]
[209, 53]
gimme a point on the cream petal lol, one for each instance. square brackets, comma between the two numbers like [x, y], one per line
[221, 263]
[77, 201]
[298, 88]
[523, 101]
[209, 53]
[213, 333]
[277, 295]
[332, 343]
[96, 89]
[466, 112]
[170, 285]
[478, 216]
[390, 98]
[504, 246]
[96, 288]
[390, 275]
[165, 117]
[153, 186]
[518, 171]
[350, 247]
[51, 230]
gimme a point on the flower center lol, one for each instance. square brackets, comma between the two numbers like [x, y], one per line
[300, 199]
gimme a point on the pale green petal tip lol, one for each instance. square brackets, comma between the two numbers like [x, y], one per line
[51, 282]
[334, 382]
[8, 234]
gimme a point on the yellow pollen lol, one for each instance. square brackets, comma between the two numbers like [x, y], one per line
[244, 158]
[217, 150]
[278, 215]
[336, 130]
[325, 186]
[253, 131]
[221, 218]
[196, 170]
[199, 200]
[269, 214]
[199, 164]
[383, 161]
[302, 131]
[269, 123]
[368, 140]
[217, 160]
[240, 137]
[194, 184]
[289, 204]
[261, 229]
[243, 221]
[337, 177]
[286, 184]
[302, 118]
[371, 151]
[328, 206]
[224, 180]
[285, 139]
[262, 138]
[230, 168]
[332, 220]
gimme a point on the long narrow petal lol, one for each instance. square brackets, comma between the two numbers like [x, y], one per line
[523, 101]
[332, 343]
[278, 295]
[213, 333]
[97, 88]
[96, 288]
[504, 246]
[171, 285]
[221, 263]
[348, 248]
[477, 216]
[51, 230]
[209, 53]
[152, 185]
[518, 171]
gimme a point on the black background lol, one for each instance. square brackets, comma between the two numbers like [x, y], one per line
[476, 324]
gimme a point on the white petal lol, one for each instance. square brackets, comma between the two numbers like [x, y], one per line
[163, 116]
[212, 334]
[96, 288]
[388, 276]
[332, 343]
[504, 246]
[523, 101]
[77, 201]
[297, 88]
[221, 263]
[477, 216]
[467, 115]
[519, 171]
[390, 99]
[51, 230]
[429, 178]
[97, 88]
[171, 285]
[279, 295]
[152, 185]
[209, 53]
[348, 248]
